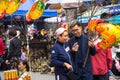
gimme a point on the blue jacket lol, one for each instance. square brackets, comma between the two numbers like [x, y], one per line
[80, 56]
[60, 53]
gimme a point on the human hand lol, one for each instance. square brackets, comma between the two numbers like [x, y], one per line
[91, 44]
[68, 66]
[6, 61]
[75, 47]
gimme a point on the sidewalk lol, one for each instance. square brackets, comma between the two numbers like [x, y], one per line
[36, 76]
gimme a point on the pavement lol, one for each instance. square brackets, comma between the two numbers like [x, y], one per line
[35, 76]
[39, 76]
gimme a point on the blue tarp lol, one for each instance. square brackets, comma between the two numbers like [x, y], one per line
[115, 9]
[114, 19]
[47, 13]
[25, 7]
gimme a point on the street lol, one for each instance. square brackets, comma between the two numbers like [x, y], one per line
[36, 76]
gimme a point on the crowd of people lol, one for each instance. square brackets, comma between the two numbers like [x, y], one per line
[13, 58]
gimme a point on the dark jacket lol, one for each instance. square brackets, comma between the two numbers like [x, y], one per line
[14, 49]
[80, 56]
[60, 53]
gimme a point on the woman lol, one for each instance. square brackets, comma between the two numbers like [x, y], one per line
[60, 55]
[23, 69]
[102, 61]
[2, 49]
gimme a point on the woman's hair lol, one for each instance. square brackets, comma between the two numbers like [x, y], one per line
[25, 62]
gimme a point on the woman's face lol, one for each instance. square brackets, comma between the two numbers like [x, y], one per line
[21, 66]
[64, 37]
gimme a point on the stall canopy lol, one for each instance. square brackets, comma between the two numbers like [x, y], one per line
[112, 9]
[24, 8]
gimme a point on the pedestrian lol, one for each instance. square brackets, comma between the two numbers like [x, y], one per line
[82, 59]
[116, 59]
[14, 50]
[60, 55]
[105, 16]
[2, 49]
[102, 61]
[23, 69]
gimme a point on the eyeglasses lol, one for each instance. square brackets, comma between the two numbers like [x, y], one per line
[75, 30]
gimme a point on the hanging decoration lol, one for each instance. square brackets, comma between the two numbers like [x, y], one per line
[109, 32]
[36, 10]
[9, 6]
[13, 5]
[2, 6]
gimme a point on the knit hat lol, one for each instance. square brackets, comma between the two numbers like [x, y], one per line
[59, 31]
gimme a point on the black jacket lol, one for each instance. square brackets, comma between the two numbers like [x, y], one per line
[14, 49]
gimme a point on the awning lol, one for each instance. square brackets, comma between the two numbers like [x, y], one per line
[47, 13]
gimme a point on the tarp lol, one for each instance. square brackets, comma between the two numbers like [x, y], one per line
[47, 13]
[114, 9]
[25, 7]
[87, 14]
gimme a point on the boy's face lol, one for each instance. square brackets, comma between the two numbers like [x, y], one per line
[76, 30]
[21, 66]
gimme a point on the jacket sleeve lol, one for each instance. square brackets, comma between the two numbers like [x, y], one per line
[109, 58]
[54, 60]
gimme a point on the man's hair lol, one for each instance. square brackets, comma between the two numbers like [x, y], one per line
[74, 22]
[13, 33]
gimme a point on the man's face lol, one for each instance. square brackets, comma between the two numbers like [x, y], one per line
[76, 30]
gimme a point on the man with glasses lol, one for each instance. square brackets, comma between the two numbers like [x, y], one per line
[83, 67]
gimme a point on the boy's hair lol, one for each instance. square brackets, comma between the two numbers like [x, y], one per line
[12, 33]
[24, 62]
